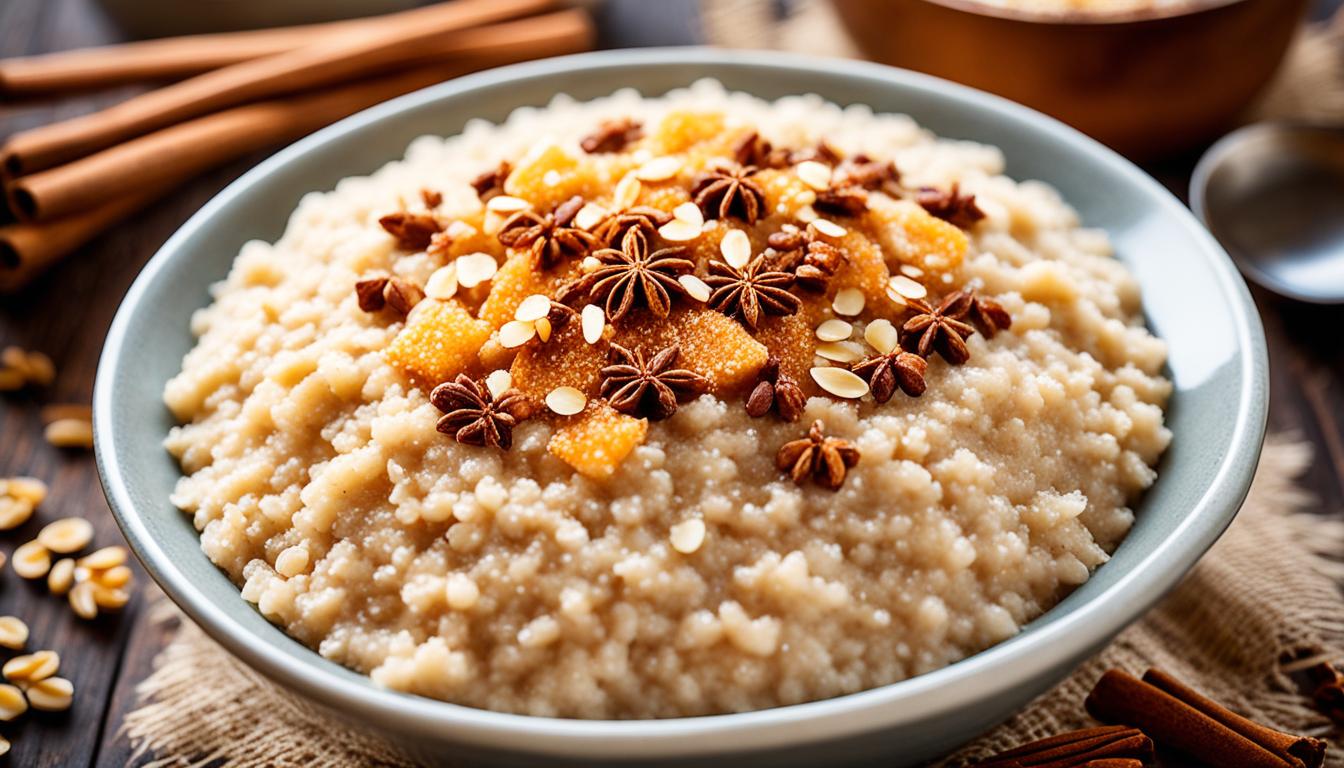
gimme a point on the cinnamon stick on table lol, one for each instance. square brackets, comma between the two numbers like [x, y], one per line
[355, 53]
[178, 152]
[187, 149]
[1178, 717]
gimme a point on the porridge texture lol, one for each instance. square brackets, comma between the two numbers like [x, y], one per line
[585, 552]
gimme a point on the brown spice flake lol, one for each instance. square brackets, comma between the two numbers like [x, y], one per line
[897, 369]
[491, 183]
[866, 173]
[375, 293]
[942, 329]
[824, 459]
[845, 200]
[633, 276]
[751, 292]
[650, 387]
[811, 260]
[550, 238]
[613, 136]
[432, 198]
[730, 191]
[412, 231]
[776, 392]
[950, 206]
[752, 149]
[989, 316]
[473, 417]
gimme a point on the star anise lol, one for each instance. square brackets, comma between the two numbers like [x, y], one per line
[750, 292]
[613, 135]
[650, 387]
[950, 206]
[400, 295]
[775, 392]
[821, 152]
[491, 183]
[550, 238]
[412, 230]
[473, 416]
[873, 175]
[752, 149]
[432, 198]
[942, 329]
[811, 260]
[1327, 686]
[825, 459]
[632, 275]
[896, 369]
[730, 191]
[989, 316]
[613, 227]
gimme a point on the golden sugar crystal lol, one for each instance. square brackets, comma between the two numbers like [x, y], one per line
[680, 130]
[791, 339]
[910, 235]
[712, 344]
[566, 361]
[596, 442]
[439, 341]
[549, 176]
[516, 280]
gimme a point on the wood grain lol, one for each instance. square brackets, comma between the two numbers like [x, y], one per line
[67, 312]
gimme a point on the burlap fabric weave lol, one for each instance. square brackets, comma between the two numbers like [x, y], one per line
[1266, 591]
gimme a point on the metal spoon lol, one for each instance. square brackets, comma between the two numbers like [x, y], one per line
[1273, 195]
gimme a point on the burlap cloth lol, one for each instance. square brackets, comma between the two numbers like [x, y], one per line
[1267, 590]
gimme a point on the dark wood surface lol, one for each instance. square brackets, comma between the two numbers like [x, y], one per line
[66, 315]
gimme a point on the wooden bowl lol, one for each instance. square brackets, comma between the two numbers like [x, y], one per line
[1146, 83]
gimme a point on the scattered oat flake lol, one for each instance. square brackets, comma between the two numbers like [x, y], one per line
[498, 382]
[12, 704]
[834, 330]
[442, 284]
[688, 535]
[566, 401]
[848, 301]
[13, 632]
[475, 268]
[533, 307]
[695, 287]
[882, 336]
[840, 351]
[814, 174]
[54, 694]
[516, 333]
[31, 560]
[907, 288]
[828, 228]
[736, 248]
[507, 204]
[839, 382]
[658, 169]
[69, 534]
[594, 321]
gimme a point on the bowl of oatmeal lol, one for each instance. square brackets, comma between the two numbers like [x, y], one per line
[760, 406]
[1149, 78]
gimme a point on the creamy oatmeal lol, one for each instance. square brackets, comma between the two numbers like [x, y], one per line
[674, 406]
[1097, 6]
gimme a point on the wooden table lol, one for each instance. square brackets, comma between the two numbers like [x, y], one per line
[67, 313]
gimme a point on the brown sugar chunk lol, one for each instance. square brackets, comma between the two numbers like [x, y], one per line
[911, 235]
[791, 339]
[864, 268]
[552, 176]
[683, 129]
[517, 278]
[712, 345]
[784, 191]
[439, 341]
[564, 361]
[597, 441]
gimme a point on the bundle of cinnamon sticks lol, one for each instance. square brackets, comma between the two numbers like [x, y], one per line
[245, 91]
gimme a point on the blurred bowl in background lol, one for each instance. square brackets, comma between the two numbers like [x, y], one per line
[1147, 82]
[161, 18]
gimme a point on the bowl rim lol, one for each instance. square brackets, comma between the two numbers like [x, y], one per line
[1010, 664]
[1084, 18]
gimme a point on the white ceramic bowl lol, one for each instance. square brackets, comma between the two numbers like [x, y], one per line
[1193, 298]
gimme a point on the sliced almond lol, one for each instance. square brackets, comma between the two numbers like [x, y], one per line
[736, 248]
[589, 216]
[498, 382]
[533, 308]
[848, 301]
[516, 333]
[910, 270]
[834, 329]
[695, 287]
[678, 231]
[61, 576]
[69, 433]
[53, 694]
[814, 174]
[543, 327]
[627, 192]
[69, 534]
[507, 204]
[31, 668]
[907, 288]
[31, 560]
[689, 213]
[828, 228]
[593, 321]
[839, 382]
[658, 169]
[14, 512]
[566, 401]
[82, 601]
[688, 535]
[882, 336]
[475, 268]
[13, 632]
[12, 703]
[840, 351]
[442, 284]
[590, 264]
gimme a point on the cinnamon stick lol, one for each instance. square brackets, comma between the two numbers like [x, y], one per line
[1175, 716]
[354, 53]
[1109, 746]
[27, 249]
[181, 151]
